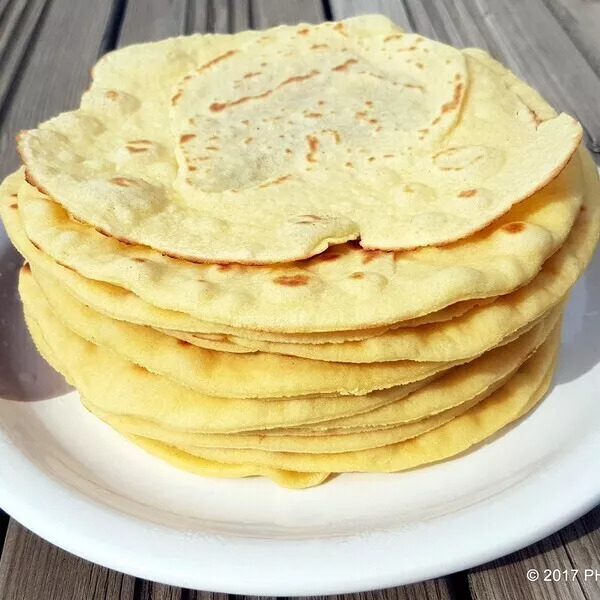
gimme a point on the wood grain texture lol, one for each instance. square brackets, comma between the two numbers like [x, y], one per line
[435, 589]
[55, 69]
[574, 547]
[151, 20]
[18, 22]
[581, 20]
[394, 9]
[582, 543]
[33, 569]
[267, 13]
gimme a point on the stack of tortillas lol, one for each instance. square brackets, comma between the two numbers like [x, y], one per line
[303, 251]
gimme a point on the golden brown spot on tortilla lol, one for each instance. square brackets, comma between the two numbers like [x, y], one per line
[318, 46]
[467, 193]
[249, 75]
[369, 102]
[536, 118]
[139, 260]
[202, 158]
[248, 140]
[327, 256]
[423, 131]
[219, 106]
[339, 27]
[370, 255]
[298, 78]
[303, 31]
[138, 145]
[453, 104]
[192, 168]
[26, 268]
[216, 60]
[334, 133]
[396, 36]
[275, 181]
[389, 155]
[313, 115]
[413, 86]
[357, 275]
[111, 94]
[313, 147]
[225, 267]
[14, 205]
[35, 245]
[175, 99]
[309, 219]
[408, 189]
[288, 151]
[186, 137]
[371, 158]
[344, 66]
[514, 227]
[348, 164]
[419, 65]
[123, 181]
[436, 120]
[212, 148]
[183, 343]
[291, 280]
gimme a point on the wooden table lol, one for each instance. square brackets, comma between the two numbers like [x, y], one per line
[46, 50]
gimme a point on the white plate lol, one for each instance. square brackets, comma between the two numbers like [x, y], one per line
[75, 482]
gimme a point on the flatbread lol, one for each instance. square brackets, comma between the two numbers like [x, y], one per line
[123, 305]
[210, 372]
[342, 289]
[336, 131]
[438, 402]
[519, 395]
[120, 387]
[188, 462]
[474, 332]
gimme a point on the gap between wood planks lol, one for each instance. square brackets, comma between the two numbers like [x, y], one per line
[3, 528]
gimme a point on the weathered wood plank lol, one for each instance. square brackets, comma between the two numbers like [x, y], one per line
[394, 9]
[31, 569]
[151, 20]
[435, 589]
[581, 20]
[55, 69]
[582, 543]
[574, 547]
[267, 13]
[218, 16]
[147, 590]
[18, 22]
[449, 21]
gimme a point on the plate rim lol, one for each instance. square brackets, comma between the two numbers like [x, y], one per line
[88, 518]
